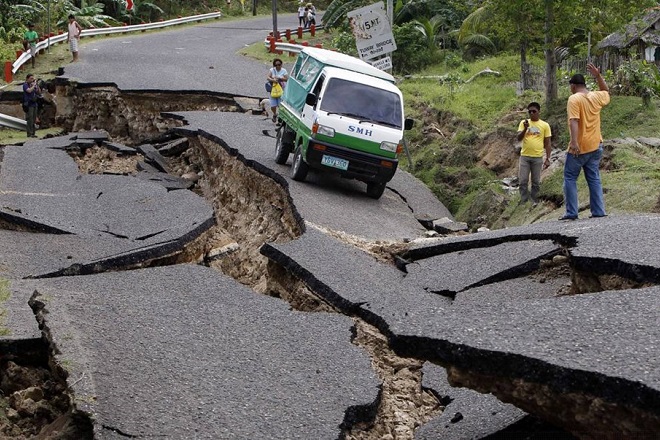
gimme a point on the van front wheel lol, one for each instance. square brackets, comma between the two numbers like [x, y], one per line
[375, 189]
[299, 168]
[281, 150]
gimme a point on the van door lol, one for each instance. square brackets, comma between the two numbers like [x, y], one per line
[309, 111]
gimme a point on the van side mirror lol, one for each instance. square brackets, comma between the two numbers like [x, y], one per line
[311, 99]
[408, 124]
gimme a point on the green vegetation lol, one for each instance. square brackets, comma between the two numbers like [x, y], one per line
[4, 296]
[459, 122]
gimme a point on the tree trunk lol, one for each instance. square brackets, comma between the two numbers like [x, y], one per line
[524, 67]
[550, 60]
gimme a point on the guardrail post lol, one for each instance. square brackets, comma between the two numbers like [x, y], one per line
[9, 77]
[287, 33]
[300, 31]
[279, 52]
[305, 43]
[319, 46]
[312, 30]
[271, 46]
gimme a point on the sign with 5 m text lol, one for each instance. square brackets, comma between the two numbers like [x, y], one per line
[371, 28]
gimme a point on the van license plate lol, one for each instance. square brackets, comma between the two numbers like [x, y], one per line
[334, 162]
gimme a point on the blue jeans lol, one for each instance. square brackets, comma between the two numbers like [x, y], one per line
[590, 162]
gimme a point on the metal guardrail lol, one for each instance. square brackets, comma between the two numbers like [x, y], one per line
[288, 47]
[12, 122]
[25, 57]
[306, 30]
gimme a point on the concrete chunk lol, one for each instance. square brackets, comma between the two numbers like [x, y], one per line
[98, 136]
[446, 225]
[174, 148]
[153, 157]
[120, 148]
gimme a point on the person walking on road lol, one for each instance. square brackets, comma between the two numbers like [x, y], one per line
[277, 74]
[30, 39]
[31, 93]
[73, 37]
[586, 146]
[535, 135]
[302, 18]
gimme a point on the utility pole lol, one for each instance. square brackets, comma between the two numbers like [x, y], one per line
[390, 12]
[276, 34]
[48, 26]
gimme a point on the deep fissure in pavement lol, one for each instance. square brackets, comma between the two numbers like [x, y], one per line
[34, 400]
[252, 208]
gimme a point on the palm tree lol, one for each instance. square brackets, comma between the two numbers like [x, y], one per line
[471, 33]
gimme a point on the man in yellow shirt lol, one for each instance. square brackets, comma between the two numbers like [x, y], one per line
[535, 135]
[586, 146]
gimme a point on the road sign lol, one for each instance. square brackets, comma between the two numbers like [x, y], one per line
[382, 63]
[371, 28]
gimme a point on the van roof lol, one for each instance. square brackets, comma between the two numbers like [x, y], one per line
[347, 62]
[350, 75]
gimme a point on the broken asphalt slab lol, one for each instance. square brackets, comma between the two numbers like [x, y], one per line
[145, 360]
[396, 215]
[34, 255]
[470, 415]
[39, 183]
[575, 351]
[474, 267]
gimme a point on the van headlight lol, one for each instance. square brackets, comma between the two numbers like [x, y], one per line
[325, 131]
[389, 146]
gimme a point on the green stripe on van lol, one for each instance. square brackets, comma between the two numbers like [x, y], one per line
[357, 144]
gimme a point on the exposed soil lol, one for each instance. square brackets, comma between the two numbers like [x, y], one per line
[98, 160]
[33, 398]
[250, 209]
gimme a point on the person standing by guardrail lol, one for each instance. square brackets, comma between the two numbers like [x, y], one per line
[302, 18]
[30, 38]
[31, 93]
[73, 37]
[311, 15]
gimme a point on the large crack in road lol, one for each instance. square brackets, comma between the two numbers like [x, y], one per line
[250, 209]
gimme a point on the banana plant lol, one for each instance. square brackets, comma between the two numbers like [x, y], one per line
[88, 15]
[432, 29]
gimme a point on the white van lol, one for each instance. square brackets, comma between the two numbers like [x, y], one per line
[339, 114]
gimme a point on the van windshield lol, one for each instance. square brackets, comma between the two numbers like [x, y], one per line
[363, 102]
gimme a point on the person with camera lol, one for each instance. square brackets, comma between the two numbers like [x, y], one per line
[31, 92]
[535, 135]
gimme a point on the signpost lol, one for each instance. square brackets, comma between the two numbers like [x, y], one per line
[384, 63]
[372, 31]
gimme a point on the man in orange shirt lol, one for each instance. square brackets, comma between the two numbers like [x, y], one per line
[586, 146]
